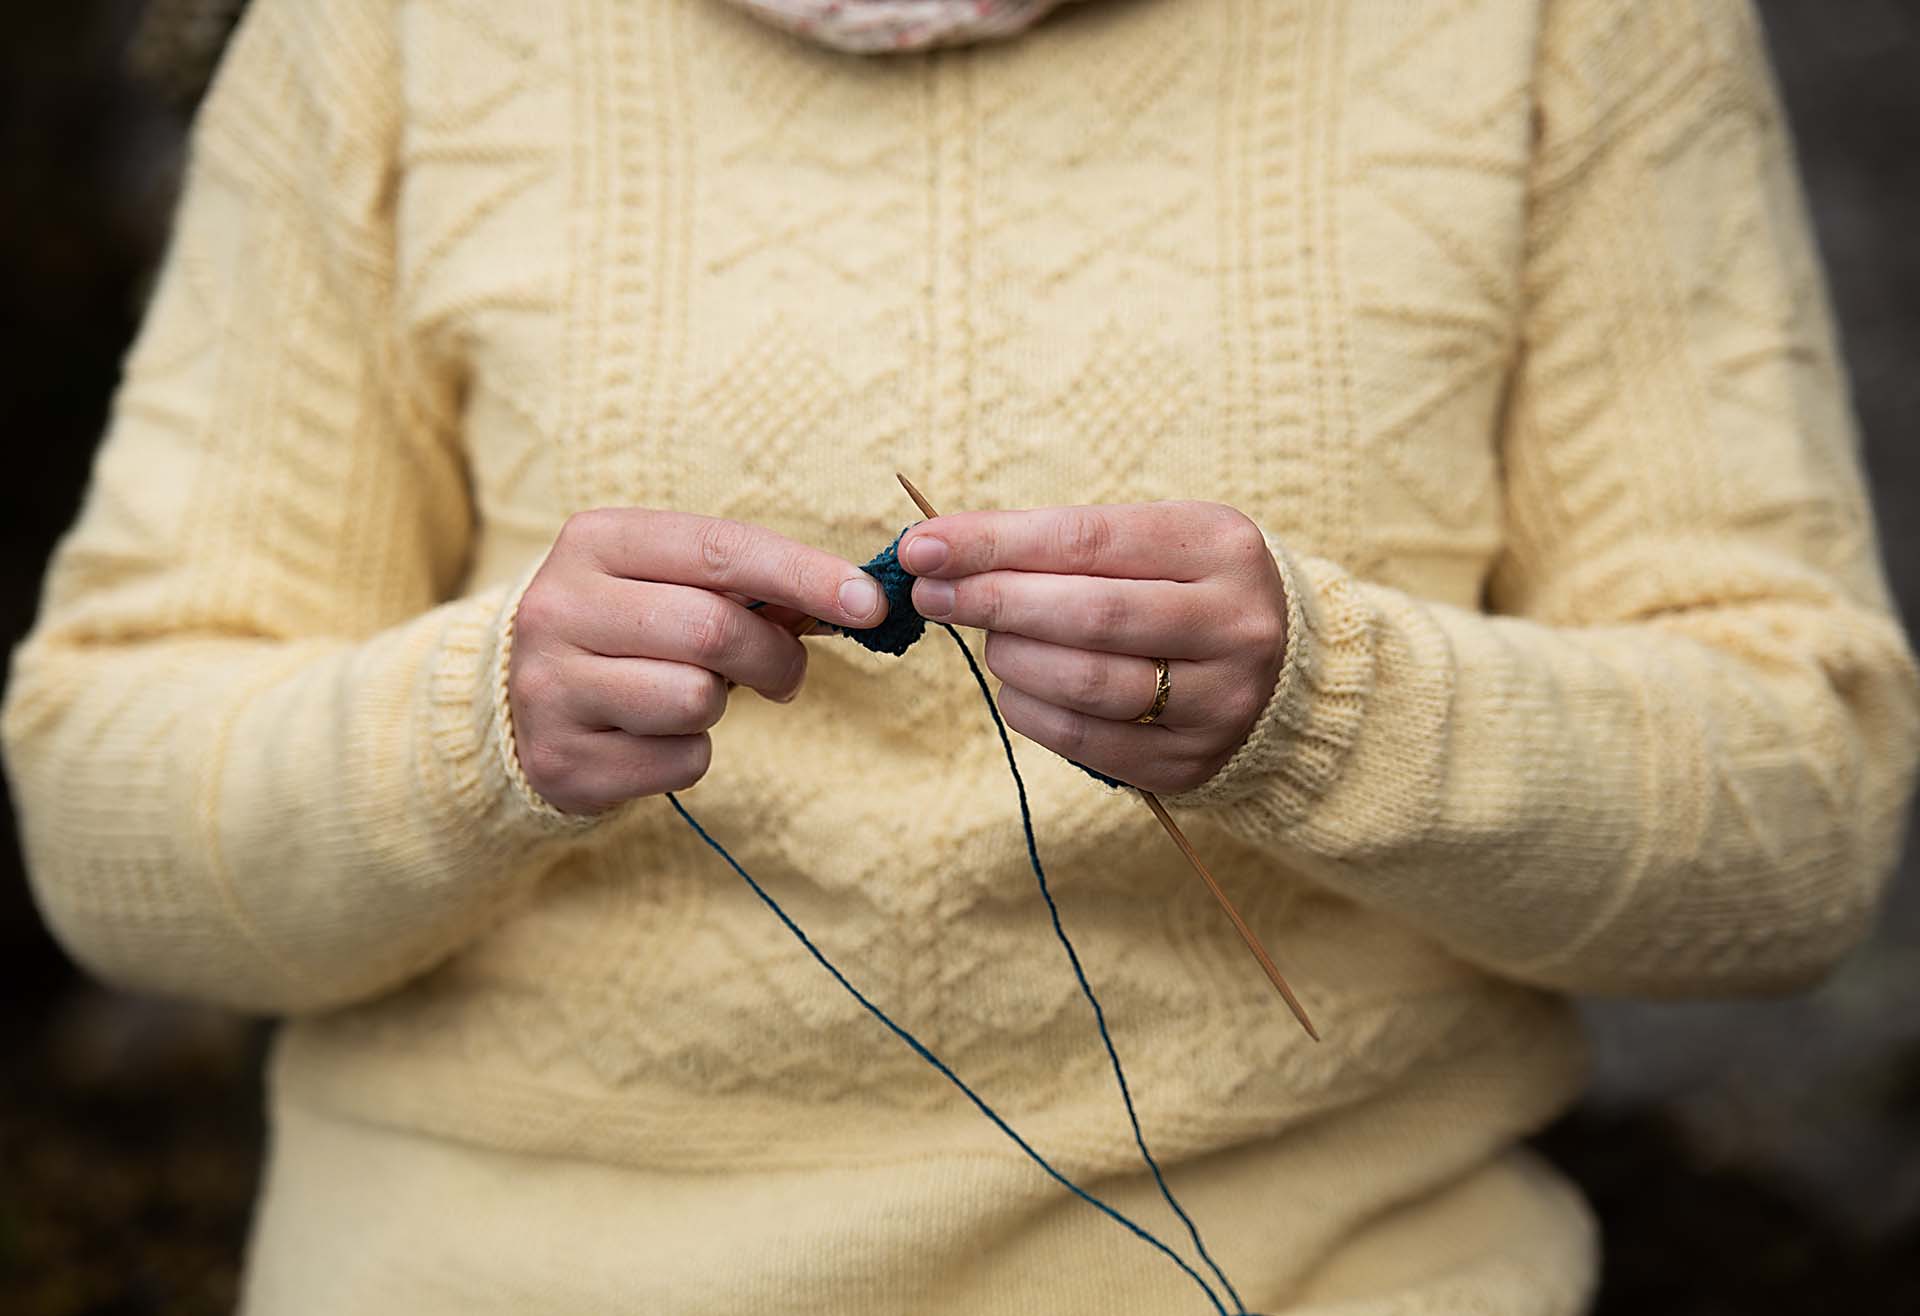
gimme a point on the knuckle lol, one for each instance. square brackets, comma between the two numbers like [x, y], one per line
[1104, 619]
[1269, 628]
[534, 682]
[694, 700]
[721, 545]
[1246, 711]
[651, 618]
[1237, 532]
[1263, 632]
[986, 544]
[1091, 680]
[710, 633]
[1205, 765]
[792, 574]
[547, 764]
[1233, 706]
[1223, 516]
[982, 599]
[542, 611]
[1084, 539]
[585, 527]
[687, 761]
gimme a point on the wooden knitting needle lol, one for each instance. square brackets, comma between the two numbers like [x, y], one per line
[1186, 848]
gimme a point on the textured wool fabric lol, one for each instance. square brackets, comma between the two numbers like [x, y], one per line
[1500, 319]
[876, 26]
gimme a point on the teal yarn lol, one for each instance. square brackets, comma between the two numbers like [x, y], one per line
[1073, 958]
[904, 625]
[899, 632]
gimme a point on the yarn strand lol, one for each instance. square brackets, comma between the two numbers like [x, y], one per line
[1073, 958]
[899, 632]
[920, 1049]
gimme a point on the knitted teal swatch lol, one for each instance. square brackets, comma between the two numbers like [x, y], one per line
[904, 626]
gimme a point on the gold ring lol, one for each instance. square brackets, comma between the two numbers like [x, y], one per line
[1162, 687]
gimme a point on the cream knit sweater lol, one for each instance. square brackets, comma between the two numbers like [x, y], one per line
[1498, 308]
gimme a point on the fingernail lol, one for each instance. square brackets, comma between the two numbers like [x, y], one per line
[933, 598]
[860, 597]
[925, 553]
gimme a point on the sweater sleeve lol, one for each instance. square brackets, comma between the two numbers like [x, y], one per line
[1673, 757]
[260, 757]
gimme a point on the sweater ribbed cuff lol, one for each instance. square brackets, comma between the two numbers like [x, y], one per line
[1302, 737]
[473, 725]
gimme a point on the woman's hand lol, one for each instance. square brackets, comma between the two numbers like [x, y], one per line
[1078, 601]
[628, 636]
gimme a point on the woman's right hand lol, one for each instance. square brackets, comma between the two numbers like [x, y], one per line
[625, 641]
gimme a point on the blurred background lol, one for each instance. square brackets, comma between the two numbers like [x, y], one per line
[1757, 1157]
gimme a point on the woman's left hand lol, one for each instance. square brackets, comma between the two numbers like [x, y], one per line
[1078, 601]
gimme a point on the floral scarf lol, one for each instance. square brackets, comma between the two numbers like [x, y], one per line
[875, 26]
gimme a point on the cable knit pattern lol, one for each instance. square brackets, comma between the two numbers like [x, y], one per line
[1500, 317]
